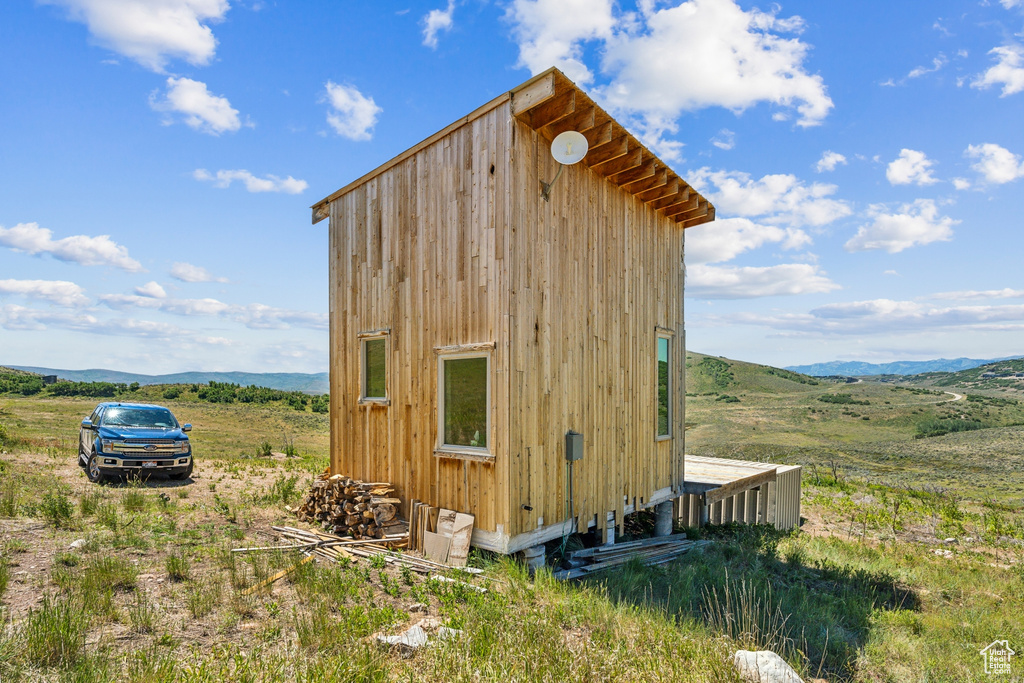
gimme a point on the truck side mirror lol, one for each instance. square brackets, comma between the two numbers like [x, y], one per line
[86, 423]
[186, 428]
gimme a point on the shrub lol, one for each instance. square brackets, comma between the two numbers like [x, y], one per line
[937, 427]
[178, 566]
[172, 393]
[57, 510]
[843, 399]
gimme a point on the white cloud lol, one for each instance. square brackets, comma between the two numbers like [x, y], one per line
[997, 164]
[662, 62]
[152, 290]
[912, 167]
[729, 282]
[1010, 4]
[829, 160]
[937, 64]
[727, 238]
[779, 198]
[885, 316]
[199, 108]
[435, 21]
[270, 183]
[22, 318]
[352, 115]
[254, 316]
[551, 33]
[706, 53]
[1008, 70]
[186, 272]
[60, 292]
[151, 32]
[1005, 293]
[961, 183]
[915, 224]
[726, 139]
[81, 249]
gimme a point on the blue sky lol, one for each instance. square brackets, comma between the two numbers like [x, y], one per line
[158, 159]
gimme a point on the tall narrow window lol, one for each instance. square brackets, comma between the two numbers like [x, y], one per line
[465, 401]
[664, 386]
[375, 384]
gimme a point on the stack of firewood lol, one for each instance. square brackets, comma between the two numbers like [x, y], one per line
[345, 506]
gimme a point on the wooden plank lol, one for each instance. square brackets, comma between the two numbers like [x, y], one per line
[631, 160]
[558, 107]
[700, 210]
[600, 134]
[670, 188]
[582, 119]
[271, 579]
[688, 204]
[462, 532]
[607, 151]
[464, 348]
[666, 204]
[530, 94]
[646, 170]
[734, 487]
[699, 220]
[436, 546]
[656, 180]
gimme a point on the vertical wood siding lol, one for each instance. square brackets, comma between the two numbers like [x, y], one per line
[421, 249]
[593, 274]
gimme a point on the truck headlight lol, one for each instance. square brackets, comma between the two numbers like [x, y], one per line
[182, 446]
[107, 445]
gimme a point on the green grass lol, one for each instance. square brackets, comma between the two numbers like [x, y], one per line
[53, 634]
[865, 599]
[178, 566]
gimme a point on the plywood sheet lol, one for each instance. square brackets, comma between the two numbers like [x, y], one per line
[462, 532]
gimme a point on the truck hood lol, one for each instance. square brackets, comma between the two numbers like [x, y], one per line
[141, 433]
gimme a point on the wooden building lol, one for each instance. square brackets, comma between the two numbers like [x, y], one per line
[473, 323]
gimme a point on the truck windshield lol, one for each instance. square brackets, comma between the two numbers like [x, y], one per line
[160, 418]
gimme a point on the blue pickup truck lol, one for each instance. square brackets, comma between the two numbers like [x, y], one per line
[133, 438]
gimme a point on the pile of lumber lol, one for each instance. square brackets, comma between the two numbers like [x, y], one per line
[442, 535]
[334, 548]
[651, 551]
[346, 506]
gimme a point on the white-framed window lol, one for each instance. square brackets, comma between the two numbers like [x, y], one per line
[464, 403]
[663, 385]
[373, 367]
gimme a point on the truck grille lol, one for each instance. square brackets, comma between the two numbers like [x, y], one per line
[142, 447]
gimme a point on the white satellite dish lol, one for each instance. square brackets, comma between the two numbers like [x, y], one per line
[567, 148]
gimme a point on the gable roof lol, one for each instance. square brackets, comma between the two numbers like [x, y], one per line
[550, 103]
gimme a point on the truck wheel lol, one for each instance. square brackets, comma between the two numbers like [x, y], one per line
[92, 470]
[183, 475]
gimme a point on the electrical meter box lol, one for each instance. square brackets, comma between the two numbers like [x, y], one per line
[573, 446]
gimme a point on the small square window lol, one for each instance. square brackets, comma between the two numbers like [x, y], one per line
[375, 368]
[465, 402]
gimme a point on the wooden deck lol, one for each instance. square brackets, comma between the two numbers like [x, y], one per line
[719, 491]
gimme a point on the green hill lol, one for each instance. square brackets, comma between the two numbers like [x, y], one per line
[975, 379]
[715, 375]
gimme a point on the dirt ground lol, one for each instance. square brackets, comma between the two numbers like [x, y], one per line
[201, 518]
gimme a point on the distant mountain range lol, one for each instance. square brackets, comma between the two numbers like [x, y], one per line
[313, 383]
[900, 367]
